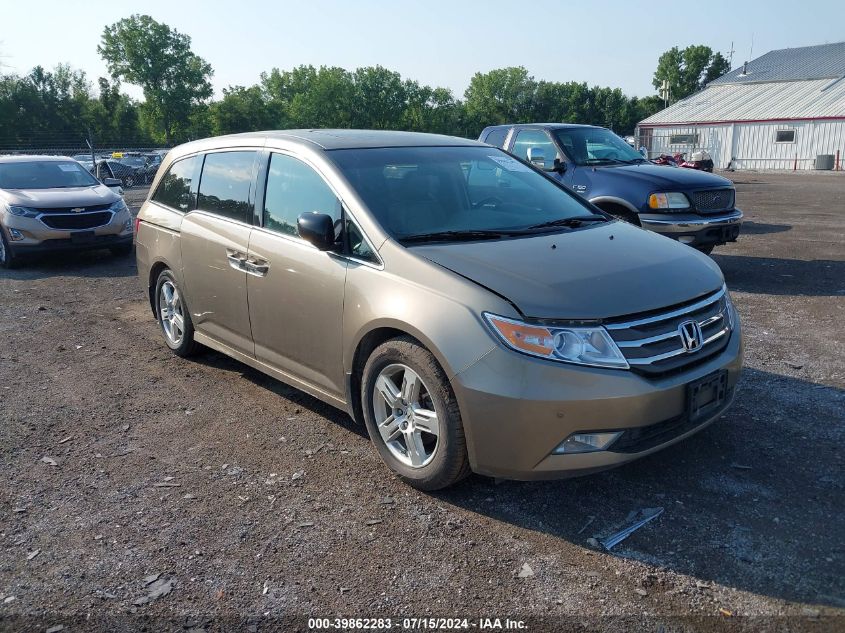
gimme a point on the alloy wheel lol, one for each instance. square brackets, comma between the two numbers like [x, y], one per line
[170, 310]
[405, 415]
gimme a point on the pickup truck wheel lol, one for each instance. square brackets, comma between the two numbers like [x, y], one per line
[706, 249]
[412, 415]
[621, 212]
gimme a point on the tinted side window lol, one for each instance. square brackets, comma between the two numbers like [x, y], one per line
[293, 188]
[497, 137]
[174, 190]
[225, 185]
[527, 139]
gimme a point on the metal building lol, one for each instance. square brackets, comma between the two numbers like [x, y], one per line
[784, 110]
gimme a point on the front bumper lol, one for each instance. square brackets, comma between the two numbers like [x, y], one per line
[516, 410]
[694, 229]
[30, 235]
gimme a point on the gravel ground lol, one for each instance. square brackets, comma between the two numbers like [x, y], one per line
[142, 491]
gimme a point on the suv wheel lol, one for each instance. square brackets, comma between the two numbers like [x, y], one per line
[412, 416]
[128, 181]
[7, 257]
[173, 316]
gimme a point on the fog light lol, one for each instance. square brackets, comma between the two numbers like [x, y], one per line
[686, 239]
[16, 235]
[586, 442]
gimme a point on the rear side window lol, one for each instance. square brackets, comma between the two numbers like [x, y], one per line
[226, 185]
[497, 137]
[293, 188]
[174, 190]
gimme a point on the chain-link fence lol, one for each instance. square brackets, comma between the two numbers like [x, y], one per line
[133, 164]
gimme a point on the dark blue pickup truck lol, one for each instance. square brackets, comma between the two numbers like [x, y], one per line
[694, 207]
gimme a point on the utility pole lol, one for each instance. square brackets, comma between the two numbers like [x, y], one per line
[731, 57]
[665, 93]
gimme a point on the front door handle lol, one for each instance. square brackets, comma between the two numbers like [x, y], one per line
[257, 266]
[237, 259]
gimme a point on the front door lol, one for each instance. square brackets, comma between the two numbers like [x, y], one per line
[215, 242]
[295, 290]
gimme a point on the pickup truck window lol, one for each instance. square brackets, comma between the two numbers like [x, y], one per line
[497, 137]
[526, 139]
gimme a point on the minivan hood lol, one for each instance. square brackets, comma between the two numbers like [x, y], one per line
[57, 198]
[664, 177]
[597, 272]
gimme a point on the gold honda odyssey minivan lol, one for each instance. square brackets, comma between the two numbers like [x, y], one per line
[470, 311]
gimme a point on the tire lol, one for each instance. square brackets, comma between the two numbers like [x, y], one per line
[121, 251]
[623, 214]
[179, 340]
[129, 181]
[425, 460]
[8, 259]
[706, 249]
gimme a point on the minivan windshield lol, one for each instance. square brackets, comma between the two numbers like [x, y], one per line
[45, 174]
[461, 193]
[596, 146]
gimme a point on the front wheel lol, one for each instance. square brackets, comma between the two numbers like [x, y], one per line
[706, 249]
[412, 415]
[173, 316]
[128, 181]
[7, 257]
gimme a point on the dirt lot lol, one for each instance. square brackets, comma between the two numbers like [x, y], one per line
[259, 506]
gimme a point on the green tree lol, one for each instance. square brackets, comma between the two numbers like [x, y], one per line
[159, 59]
[504, 95]
[689, 70]
[240, 110]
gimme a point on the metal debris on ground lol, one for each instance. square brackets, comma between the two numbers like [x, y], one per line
[155, 589]
[526, 571]
[49, 461]
[33, 554]
[644, 515]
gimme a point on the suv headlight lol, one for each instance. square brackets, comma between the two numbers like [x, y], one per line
[731, 310]
[118, 206]
[580, 345]
[24, 212]
[668, 200]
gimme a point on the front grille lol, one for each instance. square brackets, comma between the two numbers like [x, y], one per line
[77, 220]
[653, 344]
[82, 209]
[713, 200]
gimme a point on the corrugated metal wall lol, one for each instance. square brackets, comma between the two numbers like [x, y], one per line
[752, 145]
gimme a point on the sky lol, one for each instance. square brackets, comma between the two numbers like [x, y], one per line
[436, 42]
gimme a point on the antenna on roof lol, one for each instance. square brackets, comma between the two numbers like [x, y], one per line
[751, 53]
[731, 56]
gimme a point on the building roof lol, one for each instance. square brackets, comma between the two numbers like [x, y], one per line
[775, 101]
[824, 61]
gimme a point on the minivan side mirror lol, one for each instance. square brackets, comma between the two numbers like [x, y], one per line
[317, 228]
[536, 157]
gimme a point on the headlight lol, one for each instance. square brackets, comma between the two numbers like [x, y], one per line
[25, 212]
[581, 345]
[669, 200]
[118, 206]
[731, 310]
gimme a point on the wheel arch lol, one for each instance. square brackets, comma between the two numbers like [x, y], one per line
[621, 206]
[369, 339]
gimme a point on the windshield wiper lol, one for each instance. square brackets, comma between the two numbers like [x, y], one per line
[573, 222]
[453, 236]
[592, 161]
